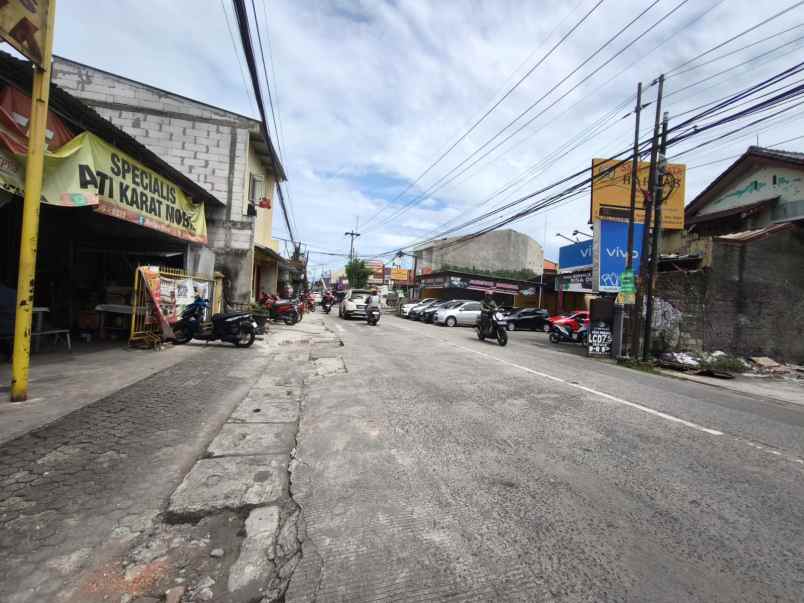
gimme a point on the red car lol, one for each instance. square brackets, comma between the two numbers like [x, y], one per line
[574, 319]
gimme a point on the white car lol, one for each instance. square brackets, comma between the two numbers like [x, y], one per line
[317, 297]
[405, 309]
[465, 314]
[354, 303]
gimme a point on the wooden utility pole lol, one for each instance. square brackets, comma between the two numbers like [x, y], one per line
[643, 268]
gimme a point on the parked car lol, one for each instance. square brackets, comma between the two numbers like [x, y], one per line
[406, 308]
[572, 319]
[416, 311]
[529, 319]
[428, 315]
[464, 314]
[354, 303]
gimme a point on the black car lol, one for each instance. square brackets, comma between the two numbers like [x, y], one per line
[416, 312]
[529, 319]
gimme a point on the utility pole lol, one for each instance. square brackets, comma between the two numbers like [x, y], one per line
[643, 268]
[629, 260]
[354, 235]
[29, 239]
[661, 167]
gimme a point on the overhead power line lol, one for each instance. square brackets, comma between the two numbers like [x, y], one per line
[451, 175]
[689, 131]
[245, 38]
[491, 109]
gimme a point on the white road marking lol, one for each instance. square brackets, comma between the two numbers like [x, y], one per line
[590, 390]
[655, 413]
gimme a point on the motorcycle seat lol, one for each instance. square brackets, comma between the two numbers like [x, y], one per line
[225, 315]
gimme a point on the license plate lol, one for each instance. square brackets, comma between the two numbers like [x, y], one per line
[359, 307]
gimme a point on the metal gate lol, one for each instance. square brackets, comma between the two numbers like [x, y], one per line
[150, 314]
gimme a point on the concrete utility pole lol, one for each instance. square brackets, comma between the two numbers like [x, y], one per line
[629, 260]
[643, 268]
[354, 235]
[661, 168]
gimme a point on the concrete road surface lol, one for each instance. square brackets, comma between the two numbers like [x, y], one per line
[440, 467]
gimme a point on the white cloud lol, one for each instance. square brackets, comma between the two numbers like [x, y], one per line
[377, 90]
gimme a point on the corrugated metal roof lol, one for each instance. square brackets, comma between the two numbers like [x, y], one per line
[19, 73]
[760, 233]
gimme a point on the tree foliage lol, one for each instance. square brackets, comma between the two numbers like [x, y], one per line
[358, 273]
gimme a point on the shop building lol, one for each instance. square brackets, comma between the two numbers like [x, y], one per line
[221, 152]
[110, 204]
[499, 250]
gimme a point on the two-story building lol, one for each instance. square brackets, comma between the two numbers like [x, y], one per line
[224, 153]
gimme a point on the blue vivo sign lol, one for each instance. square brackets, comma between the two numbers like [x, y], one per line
[613, 252]
[578, 255]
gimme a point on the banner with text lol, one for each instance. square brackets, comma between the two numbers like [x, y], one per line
[611, 190]
[575, 256]
[89, 172]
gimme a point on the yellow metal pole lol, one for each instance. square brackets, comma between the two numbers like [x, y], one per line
[30, 217]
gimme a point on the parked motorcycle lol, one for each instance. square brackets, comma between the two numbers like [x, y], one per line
[494, 325]
[564, 332]
[238, 328]
[309, 302]
[372, 316]
[280, 310]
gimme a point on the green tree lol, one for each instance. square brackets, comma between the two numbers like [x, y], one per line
[357, 272]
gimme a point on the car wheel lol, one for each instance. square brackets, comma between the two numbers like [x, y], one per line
[546, 328]
[451, 321]
[510, 326]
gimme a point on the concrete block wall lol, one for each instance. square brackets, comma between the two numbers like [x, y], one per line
[497, 250]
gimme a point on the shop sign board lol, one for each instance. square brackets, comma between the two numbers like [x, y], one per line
[614, 252]
[432, 282]
[600, 339]
[575, 256]
[400, 274]
[611, 188]
[579, 281]
[89, 172]
[23, 24]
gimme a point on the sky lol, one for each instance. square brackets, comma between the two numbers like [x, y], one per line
[369, 94]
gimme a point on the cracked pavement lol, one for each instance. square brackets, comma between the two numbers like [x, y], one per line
[75, 494]
[443, 468]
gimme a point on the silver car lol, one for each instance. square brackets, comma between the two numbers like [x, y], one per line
[465, 314]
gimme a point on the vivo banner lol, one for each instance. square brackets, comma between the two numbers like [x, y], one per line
[613, 252]
[573, 257]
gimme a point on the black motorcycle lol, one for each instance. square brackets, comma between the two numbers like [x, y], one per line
[492, 324]
[326, 305]
[238, 328]
[372, 316]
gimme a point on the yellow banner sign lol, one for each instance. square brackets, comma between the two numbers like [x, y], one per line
[611, 190]
[23, 24]
[88, 171]
[399, 274]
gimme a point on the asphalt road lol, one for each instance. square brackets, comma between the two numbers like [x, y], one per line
[440, 467]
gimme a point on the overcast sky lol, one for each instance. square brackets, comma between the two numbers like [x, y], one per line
[369, 94]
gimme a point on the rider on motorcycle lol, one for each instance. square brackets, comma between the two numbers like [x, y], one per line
[487, 309]
[373, 300]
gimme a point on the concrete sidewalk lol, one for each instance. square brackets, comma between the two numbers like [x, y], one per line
[761, 388]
